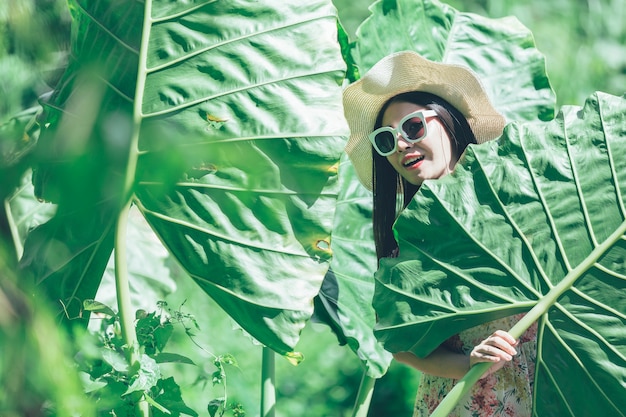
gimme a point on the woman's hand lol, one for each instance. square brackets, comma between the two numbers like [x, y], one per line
[498, 348]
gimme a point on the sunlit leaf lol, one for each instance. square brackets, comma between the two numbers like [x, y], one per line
[346, 294]
[503, 53]
[541, 209]
[233, 111]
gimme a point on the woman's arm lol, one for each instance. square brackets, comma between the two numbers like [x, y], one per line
[498, 348]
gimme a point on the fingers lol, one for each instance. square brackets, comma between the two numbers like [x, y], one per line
[503, 341]
[500, 346]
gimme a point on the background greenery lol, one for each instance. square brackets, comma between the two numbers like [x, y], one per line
[584, 40]
[584, 43]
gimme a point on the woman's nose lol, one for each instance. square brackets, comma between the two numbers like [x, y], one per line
[402, 144]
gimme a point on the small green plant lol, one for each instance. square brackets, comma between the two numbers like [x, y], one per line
[116, 386]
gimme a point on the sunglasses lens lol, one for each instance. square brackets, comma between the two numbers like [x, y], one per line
[414, 128]
[385, 141]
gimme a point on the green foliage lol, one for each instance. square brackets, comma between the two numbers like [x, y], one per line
[500, 51]
[513, 73]
[584, 41]
[110, 380]
[554, 240]
[202, 127]
[29, 58]
[189, 195]
[37, 373]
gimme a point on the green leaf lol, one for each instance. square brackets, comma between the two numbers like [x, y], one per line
[96, 306]
[67, 256]
[228, 359]
[24, 212]
[503, 54]
[90, 384]
[117, 361]
[232, 113]
[170, 397]
[500, 51]
[348, 288]
[18, 137]
[152, 333]
[146, 377]
[215, 405]
[78, 168]
[152, 270]
[250, 217]
[352, 71]
[166, 357]
[537, 219]
[37, 365]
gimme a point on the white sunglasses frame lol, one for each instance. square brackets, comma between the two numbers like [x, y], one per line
[422, 114]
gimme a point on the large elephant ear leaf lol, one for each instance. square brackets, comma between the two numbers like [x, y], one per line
[232, 112]
[502, 52]
[348, 287]
[257, 87]
[537, 221]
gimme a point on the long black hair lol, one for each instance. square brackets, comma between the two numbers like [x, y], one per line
[390, 189]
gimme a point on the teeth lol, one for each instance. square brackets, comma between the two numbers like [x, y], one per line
[413, 160]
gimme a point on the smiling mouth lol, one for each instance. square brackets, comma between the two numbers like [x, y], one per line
[412, 161]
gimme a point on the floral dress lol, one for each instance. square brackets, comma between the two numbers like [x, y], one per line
[506, 392]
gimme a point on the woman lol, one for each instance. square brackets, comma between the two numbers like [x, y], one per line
[410, 121]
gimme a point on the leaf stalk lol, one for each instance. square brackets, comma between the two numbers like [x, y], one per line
[543, 305]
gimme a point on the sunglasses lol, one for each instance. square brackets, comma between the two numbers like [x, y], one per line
[412, 128]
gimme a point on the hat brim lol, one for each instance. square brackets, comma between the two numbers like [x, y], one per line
[404, 72]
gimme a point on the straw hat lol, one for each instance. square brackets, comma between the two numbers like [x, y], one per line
[407, 71]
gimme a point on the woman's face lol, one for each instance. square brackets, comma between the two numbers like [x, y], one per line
[430, 158]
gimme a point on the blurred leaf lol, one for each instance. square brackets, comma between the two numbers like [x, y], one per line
[25, 212]
[89, 384]
[228, 359]
[214, 406]
[98, 307]
[18, 136]
[543, 209]
[34, 352]
[233, 111]
[117, 361]
[165, 357]
[19, 85]
[502, 52]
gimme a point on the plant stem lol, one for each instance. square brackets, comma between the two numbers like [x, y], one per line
[124, 305]
[122, 287]
[121, 270]
[268, 386]
[364, 396]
